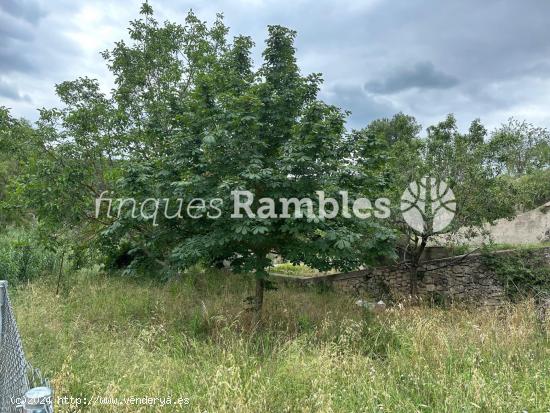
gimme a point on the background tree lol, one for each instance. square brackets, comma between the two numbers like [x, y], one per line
[16, 148]
[519, 148]
[462, 160]
[520, 155]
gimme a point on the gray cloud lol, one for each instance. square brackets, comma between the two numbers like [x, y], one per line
[426, 58]
[26, 48]
[11, 60]
[9, 91]
[15, 37]
[11, 28]
[422, 75]
[364, 106]
[28, 10]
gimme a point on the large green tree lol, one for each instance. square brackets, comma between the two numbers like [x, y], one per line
[191, 117]
[235, 128]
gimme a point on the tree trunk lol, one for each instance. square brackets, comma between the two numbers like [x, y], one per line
[414, 266]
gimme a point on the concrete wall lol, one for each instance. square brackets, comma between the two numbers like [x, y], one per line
[463, 278]
[529, 227]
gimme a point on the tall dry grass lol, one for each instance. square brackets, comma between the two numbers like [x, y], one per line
[316, 352]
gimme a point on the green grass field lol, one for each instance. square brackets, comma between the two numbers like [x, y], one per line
[316, 351]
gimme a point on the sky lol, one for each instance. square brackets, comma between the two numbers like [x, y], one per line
[427, 58]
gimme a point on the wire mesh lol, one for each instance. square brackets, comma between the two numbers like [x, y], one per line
[16, 375]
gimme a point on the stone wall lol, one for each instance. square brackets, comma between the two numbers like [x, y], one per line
[462, 278]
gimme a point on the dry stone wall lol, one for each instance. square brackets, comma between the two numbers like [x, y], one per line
[462, 278]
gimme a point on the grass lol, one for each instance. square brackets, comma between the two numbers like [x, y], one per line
[317, 351]
[294, 269]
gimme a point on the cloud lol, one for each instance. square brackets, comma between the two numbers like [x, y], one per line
[422, 75]
[12, 61]
[425, 58]
[9, 91]
[23, 9]
[364, 107]
[15, 37]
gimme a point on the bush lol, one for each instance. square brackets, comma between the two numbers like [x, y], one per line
[22, 257]
[522, 272]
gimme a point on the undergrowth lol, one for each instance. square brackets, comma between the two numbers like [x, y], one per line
[523, 272]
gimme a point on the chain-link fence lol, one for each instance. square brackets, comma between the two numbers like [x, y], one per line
[16, 375]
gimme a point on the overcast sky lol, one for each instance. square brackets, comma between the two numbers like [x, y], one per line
[488, 59]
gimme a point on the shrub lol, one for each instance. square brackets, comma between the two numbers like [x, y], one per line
[23, 257]
[522, 272]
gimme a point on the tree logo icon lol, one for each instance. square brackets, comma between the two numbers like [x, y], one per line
[428, 206]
